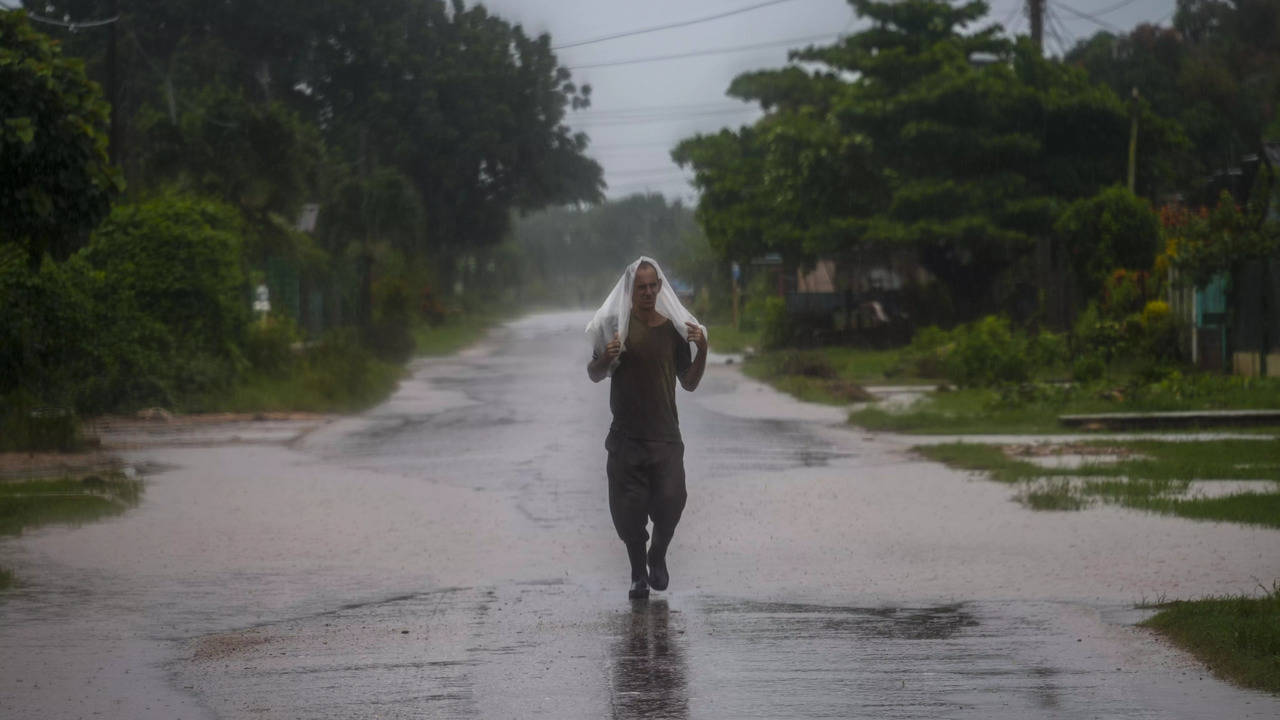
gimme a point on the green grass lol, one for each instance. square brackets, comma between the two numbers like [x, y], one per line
[452, 335]
[1151, 479]
[1238, 638]
[32, 503]
[1034, 409]
[725, 339]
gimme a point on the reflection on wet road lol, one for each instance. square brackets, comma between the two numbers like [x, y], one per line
[449, 555]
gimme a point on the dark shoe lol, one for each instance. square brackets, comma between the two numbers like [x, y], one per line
[639, 590]
[658, 576]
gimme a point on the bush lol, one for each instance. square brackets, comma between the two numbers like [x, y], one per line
[925, 356]
[776, 330]
[985, 352]
[268, 345]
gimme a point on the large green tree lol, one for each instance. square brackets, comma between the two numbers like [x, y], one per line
[56, 182]
[917, 133]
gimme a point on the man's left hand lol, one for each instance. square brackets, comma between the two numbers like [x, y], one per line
[696, 336]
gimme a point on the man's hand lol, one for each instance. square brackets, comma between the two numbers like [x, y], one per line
[696, 336]
[598, 369]
[614, 348]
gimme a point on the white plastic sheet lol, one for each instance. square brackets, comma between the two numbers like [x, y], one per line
[614, 316]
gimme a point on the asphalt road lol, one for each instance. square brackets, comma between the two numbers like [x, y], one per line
[449, 555]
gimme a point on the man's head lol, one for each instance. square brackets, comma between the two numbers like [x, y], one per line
[644, 293]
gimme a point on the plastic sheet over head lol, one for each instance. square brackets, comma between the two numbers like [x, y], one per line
[614, 316]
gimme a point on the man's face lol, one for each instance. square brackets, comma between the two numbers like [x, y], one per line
[644, 294]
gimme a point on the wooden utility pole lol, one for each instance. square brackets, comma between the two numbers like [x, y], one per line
[1035, 13]
[1133, 138]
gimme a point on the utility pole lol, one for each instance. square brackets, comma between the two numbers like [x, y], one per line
[114, 153]
[1133, 138]
[1035, 13]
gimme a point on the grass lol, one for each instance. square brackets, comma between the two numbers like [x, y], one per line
[1032, 409]
[1238, 638]
[452, 335]
[27, 504]
[1150, 475]
[32, 503]
[726, 339]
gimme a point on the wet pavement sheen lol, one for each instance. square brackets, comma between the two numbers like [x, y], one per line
[449, 555]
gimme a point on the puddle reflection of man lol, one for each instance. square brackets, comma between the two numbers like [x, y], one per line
[646, 451]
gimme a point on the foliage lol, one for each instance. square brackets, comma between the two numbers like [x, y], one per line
[1216, 73]
[900, 137]
[1213, 242]
[55, 178]
[179, 258]
[1113, 229]
[986, 352]
[775, 330]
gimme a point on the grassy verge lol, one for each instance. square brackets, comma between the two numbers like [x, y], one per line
[1237, 638]
[1034, 408]
[1148, 475]
[453, 335]
[725, 339]
[27, 504]
[339, 375]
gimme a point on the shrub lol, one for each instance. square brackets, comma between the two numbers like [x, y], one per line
[987, 352]
[925, 355]
[776, 330]
[268, 345]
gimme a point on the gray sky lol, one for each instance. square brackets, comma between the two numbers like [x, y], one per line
[640, 110]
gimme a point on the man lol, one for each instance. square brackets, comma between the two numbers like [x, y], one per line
[646, 451]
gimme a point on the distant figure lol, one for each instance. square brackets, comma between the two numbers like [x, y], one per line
[646, 451]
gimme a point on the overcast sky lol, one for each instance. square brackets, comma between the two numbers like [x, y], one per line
[640, 110]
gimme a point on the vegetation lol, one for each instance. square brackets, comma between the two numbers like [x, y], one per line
[1148, 474]
[32, 503]
[899, 137]
[1035, 407]
[55, 179]
[381, 115]
[1238, 638]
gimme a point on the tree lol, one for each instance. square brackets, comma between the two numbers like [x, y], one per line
[1111, 230]
[915, 134]
[56, 182]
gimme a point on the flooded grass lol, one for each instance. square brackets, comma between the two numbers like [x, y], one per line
[1238, 638]
[990, 411]
[1142, 474]
[29, 504]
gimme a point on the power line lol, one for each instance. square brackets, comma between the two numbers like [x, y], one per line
[669, 26]
[1113, 8]
[1085, 16]
[662, 118]
[69, 25]
[592, 113]
[698, 53]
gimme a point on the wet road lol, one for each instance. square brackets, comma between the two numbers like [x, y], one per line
[449, 555]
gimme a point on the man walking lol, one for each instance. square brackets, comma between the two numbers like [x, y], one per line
[639, 345]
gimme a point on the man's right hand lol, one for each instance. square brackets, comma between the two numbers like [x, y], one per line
[598, 368]
[614, 348]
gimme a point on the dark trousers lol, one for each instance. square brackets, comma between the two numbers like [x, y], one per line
[646, 481]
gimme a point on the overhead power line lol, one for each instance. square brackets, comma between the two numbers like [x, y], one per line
[698, 53]
[661, 117]
[68, 24]
[669, 26]
[1086, 16]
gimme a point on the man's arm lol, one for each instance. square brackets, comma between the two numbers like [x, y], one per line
[691, 377]
[598, 367]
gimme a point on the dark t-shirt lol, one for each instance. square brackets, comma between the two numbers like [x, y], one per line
[642, 394]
